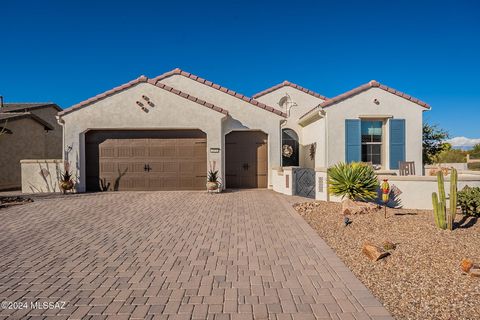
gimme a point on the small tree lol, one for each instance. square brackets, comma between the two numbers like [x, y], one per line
[433, 142]
[475, 152]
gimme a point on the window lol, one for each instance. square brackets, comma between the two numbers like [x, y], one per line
[372, 134]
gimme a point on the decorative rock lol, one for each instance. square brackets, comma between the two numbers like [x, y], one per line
[388, 245]
[466, 264]
[475, 270]
[357, 207]
[373, 252]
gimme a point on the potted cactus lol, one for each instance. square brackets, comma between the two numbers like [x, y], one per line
[213, 182]
[66, 182]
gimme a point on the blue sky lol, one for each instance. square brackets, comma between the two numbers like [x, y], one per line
[68, 51]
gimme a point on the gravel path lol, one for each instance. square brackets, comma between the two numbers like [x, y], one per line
[421, 279]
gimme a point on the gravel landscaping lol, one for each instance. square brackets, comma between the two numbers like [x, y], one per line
[421, 278]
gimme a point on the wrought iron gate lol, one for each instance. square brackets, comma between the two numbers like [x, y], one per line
[304, 182]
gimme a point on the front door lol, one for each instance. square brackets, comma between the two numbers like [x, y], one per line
[246, 164]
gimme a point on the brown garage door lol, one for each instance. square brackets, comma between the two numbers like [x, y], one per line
[152, 164]
[246, 162]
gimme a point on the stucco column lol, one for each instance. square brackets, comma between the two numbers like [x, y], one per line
[216, 152]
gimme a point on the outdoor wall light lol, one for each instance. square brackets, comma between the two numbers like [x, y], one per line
[145, 98]
[376, 101]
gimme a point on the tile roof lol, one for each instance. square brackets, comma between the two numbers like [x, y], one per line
[364, 87]
[290, 84]
[21, 115]
[220, 88]
[141, 79]
[25, 106]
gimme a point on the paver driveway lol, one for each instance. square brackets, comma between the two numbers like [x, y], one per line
[175, 255]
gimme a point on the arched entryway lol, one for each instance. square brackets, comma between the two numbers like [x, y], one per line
[246, 159]
[290, 148]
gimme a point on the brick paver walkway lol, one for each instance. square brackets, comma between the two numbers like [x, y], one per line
[173, 255]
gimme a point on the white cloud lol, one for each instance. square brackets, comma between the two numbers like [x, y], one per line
[463, 142]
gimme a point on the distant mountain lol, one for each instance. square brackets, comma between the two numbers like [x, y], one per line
[463, 143]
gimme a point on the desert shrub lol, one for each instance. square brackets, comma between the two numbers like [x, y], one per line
[452, 156]
[474, 166]
[469, 200]
[356, 181]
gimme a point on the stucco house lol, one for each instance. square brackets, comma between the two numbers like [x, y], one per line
[28, 131]
[162, 133]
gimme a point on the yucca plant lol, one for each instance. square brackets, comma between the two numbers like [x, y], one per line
[356, 181]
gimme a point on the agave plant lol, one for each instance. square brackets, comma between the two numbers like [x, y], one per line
[212, 175]
[356, 181]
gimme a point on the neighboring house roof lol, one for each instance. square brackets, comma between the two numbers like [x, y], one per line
[366, 86]
[141, 79]
[220, 88]
[290, 84]
[20, 106]
[11, 116]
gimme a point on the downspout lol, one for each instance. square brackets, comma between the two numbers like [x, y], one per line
[61, 122]
[326, 150]
[283, 122]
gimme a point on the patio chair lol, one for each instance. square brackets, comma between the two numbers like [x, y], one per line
[406, 168]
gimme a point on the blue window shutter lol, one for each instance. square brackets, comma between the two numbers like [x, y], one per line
[397, 142]
[353, 146]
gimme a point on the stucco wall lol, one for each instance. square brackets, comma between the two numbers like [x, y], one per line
[39, 176]
[282, 180]
[243, 116]
[303, 103]
[417, 191]
[26, 141]
[315, 133]
[362, 105]
[120, 111]
[53, 138]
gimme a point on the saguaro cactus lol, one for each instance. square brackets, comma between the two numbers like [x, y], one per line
[453, 198]
[442, 219]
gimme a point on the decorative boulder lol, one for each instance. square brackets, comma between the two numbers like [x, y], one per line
[355, 207]
[388, 245]
[466, 265]
[475, 270]
[373, 252]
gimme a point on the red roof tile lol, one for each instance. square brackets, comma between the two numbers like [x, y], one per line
[366, 86]
[218, 87]
[135, 82]
[290, 84]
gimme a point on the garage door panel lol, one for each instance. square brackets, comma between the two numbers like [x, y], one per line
[200, 168]
[169, 183]
[156, 167]
[123, 152]
[187, 183]
[139, 151]
[171, 167]
[186, 151]
[107, 152]
[187, 167]
[171, 163]
[108, 167]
